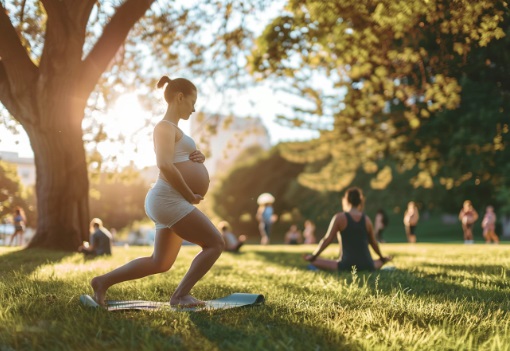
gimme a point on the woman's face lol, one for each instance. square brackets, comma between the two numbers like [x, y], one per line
[187, 105]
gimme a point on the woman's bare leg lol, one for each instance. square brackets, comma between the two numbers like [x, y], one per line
[13, 236]
[494, 237]
[264, 238]
[198, 229]
[469, 234]
[379, 263]
[326, 265]
[408, 233]
[166, 247]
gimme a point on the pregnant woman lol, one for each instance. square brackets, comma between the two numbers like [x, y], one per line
[183, 181]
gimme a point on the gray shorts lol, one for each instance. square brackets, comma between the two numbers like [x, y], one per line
[165, 206]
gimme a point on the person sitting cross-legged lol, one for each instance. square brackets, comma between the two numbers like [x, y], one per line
[355, 232]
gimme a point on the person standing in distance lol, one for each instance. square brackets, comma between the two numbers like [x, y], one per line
[411, 217]
[489, 226]
[265, 216]
[380, 223]
[19, 220]
[468, 216]
[183, 182]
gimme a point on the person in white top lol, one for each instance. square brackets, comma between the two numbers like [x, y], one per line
[183, 182]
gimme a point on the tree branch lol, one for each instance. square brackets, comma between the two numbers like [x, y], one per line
[18, 72]
[5, 92]
[80, 11]
[114, 34]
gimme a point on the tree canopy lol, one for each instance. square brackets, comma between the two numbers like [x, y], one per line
[425, 83]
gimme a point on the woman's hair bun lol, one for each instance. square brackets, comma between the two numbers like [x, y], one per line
[164, 80]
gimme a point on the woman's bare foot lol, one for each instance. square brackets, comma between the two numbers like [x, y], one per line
[186, 301]
[99, 290]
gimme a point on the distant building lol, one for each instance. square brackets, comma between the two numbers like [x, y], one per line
[24, 165]
[225, 138]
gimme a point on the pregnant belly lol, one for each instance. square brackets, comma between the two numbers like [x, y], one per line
[195, 175]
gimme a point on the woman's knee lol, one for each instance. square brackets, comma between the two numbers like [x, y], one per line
[161, 266]
[218, 243]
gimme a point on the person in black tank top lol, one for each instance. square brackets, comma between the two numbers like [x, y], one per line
[355, 232]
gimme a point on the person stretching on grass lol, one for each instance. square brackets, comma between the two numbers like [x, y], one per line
[183, 181]
[355, 232]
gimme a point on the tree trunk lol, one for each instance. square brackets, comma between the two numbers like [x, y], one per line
[62, 185]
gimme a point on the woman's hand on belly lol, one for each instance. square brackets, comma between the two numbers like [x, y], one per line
[197, 156]
[195, 175]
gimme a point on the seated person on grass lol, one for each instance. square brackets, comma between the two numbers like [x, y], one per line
[355, 232]
[232, 243]
[100, 240]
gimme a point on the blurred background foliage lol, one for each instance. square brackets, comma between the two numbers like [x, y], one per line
[421, 85]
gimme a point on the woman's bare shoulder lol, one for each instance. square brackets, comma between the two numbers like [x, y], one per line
[340, 221]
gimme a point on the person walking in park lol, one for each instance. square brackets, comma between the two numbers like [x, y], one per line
[468, 216]
[182, 183]
[19, 221]
[265, 216]
[100, 240]
[489, 226]
[355, 232]
[411, 217]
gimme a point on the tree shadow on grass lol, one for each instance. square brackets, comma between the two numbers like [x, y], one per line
[439, 287]
[266, 328]
[491, 269]
[26, 261]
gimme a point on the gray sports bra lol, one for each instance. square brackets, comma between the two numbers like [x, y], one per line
[183, 147]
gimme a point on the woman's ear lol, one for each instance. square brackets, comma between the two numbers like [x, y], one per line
[180, 97]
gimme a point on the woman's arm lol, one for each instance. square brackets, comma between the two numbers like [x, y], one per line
[164, 142]
[334, 228]
[371, 237]
[258, 216]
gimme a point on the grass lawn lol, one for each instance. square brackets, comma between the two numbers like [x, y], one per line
[440, 297]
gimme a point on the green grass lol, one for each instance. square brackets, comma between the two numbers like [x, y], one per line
[441, 297]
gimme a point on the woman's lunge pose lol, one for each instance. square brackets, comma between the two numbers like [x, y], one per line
[183, 181]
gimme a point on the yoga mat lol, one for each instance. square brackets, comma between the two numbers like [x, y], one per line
[231, 301]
